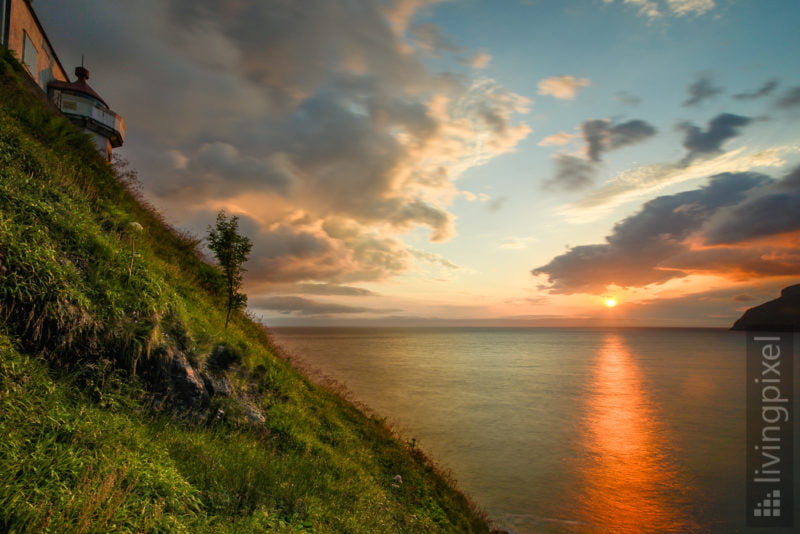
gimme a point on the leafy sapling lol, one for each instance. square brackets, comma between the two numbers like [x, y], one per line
[231, 250]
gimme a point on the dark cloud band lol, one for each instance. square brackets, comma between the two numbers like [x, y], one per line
[653, 245]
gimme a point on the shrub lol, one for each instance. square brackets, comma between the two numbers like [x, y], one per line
[223, 356]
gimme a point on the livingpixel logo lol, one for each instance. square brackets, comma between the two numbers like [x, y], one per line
[770, 506]
[770, 429]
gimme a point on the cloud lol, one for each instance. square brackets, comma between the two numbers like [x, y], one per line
[318, 122]
[434, 258]
[472, 197]
[672, 236]
[701, 90]
[680, 8]
[648, 8]
[215, 168]
[480, 60]
[308, 307]
[572, 173]
[774, 211]
[648, 179]
[790, 99]
[601, 135]
[764, 216]
[300, 249]
[557, 139]
[429, 37]
[627, 99]
[741, 264]
[496, 204]
[690, 7]
[332, 289]
[517, 243]
[401, 12]
[766, 89]
[562, 87]
[719, 129]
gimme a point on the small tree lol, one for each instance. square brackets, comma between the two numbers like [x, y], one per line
[231, 250]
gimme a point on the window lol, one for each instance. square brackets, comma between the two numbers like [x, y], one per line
[46, 74]
[3, 36]
[28, 53]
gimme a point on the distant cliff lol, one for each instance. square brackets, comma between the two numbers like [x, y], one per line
[781, 314]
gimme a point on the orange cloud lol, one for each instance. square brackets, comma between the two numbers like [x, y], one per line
[724, 229]
[557, 139]
[562, 87]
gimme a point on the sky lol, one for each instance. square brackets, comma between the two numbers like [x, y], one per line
[467, 162]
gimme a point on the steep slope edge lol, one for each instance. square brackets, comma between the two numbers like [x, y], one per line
[127, 407]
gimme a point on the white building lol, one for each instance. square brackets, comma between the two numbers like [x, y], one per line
[22, 34]
[86, 109]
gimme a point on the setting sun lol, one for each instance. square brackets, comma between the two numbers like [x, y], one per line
[611, 302]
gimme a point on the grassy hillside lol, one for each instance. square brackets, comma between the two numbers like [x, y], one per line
[114, 416]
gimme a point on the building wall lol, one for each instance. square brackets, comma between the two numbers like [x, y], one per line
[23, 25]
[103, 145]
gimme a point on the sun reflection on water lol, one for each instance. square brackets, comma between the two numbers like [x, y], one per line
[628, 484]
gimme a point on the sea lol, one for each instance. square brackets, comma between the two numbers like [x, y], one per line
[560, 430]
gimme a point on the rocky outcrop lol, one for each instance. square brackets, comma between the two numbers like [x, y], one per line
[779, 315]
[179, 385]
[253, 414]
[218, 384]
[187, 383]
[174, 380]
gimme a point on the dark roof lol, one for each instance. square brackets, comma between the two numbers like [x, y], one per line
[79, 86]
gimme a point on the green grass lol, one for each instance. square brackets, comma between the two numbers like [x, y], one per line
[87, 444]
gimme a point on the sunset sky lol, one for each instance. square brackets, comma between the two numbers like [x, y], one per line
[467, 162]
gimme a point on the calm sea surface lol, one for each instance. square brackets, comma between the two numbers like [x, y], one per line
[561, 430]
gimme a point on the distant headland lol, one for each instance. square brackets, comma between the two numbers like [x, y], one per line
[779, 315]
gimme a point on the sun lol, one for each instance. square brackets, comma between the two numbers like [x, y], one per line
[611, 302]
